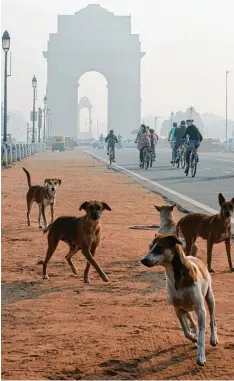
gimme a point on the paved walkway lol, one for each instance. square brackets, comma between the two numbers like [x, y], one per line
[124, 329]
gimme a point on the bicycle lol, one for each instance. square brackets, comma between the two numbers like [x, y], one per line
[111, 154]
[180, 157]
[146, 158]
[193, 161]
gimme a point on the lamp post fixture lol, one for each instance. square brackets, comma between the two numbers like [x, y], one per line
[34, 85]
[226, 117]
[44, 127]
[6, 47]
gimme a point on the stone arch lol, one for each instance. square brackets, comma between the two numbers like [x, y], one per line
[94, 39]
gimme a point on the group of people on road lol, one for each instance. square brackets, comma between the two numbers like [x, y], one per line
[177, 136]
[146, 138]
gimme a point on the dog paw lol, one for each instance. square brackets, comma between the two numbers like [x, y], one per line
[232, 269]
[214, 341]
[40, 227]
[201, 362]
[45, 277]
[211, 270]
[87, 281]
[105, 278]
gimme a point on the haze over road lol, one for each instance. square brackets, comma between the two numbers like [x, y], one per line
[215, 174]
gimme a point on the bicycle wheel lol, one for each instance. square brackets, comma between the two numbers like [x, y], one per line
[145, 160]
[111, 155]
[182, 159]
[178, 159]
[194, 165]
[151, 159]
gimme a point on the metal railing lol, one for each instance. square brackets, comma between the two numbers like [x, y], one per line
[17, 152]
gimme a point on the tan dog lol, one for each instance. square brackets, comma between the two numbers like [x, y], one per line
[80, 233]
[188, 287]
[43, 196]
[214, 229]
[168, 225]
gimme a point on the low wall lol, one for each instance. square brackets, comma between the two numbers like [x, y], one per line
[12, 153]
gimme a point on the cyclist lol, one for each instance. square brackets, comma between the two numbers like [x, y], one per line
[111, 139]
[195, 138]
[153, 140]
[178, 134]
[143, 141]
[171, 139]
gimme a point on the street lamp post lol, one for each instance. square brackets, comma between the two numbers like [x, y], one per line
[34, 85]
[191, 112]
[155, 123]
[6, 47]
[226, 119]
[172, 114]
[44, 127]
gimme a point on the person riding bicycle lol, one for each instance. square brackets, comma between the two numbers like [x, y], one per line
[195, 138]
[143, 141]
[172, 139]
[111, 139]
[179, 132]
[153, 140]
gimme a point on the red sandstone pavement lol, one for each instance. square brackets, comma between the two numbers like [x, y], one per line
[124, 329]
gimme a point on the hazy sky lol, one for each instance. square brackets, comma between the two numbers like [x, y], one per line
[188, 43]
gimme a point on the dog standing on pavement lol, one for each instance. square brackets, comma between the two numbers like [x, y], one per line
[43, 196]
[80, 233]
[214, 229]
[168, 225]
[188, 287]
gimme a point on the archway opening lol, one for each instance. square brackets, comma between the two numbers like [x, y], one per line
[92, 105]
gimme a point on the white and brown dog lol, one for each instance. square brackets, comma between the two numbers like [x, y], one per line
[168, 225]
[43, 196]
[188, 287]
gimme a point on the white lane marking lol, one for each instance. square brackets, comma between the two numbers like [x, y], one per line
[208, 169]
[213, 158]
[154, 183]
[227, 172]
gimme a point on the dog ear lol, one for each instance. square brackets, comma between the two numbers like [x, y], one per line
[221, 199]
[232, 200]
[173, 240]
[46, 181]
[105, 206]
[172, 207]
[84, 205]
[158, 208]
[59, 181]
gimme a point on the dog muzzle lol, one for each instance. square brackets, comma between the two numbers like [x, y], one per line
[95, 216]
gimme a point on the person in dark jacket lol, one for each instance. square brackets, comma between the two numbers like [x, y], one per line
[178, 134]
[195, 138]
[111, 139]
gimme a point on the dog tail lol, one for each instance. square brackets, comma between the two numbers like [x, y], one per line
[28, 177]
[47, 229]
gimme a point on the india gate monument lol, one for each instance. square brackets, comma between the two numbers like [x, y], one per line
[94, 39]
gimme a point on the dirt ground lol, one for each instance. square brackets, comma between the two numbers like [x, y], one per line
[62, 329]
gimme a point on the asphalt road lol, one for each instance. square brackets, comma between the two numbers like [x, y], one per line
[215, 174]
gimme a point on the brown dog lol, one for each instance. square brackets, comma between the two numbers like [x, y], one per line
[214, 229]
[168, 225]
[80, 233]
[43, 196]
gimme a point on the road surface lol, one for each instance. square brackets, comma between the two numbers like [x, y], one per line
[215, 174]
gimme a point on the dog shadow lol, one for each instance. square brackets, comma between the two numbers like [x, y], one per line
[136, 368]
[16, 291]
